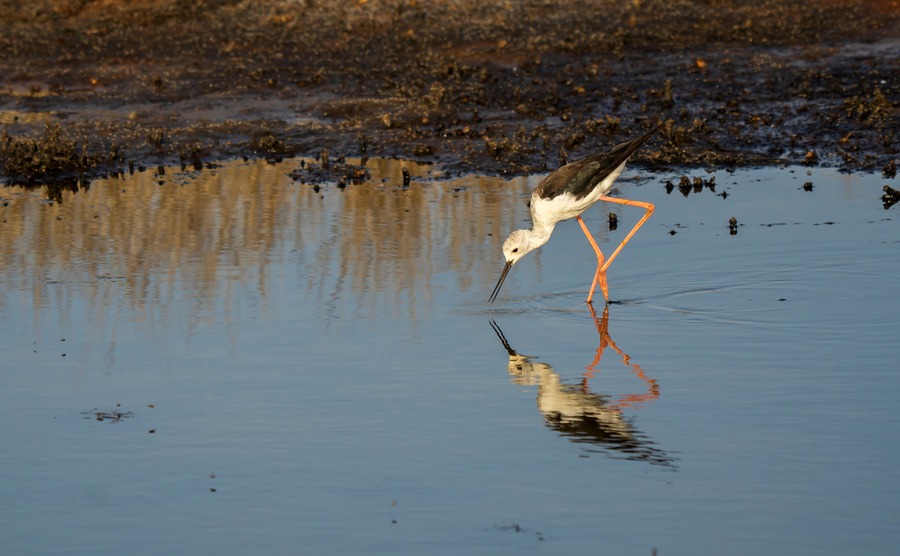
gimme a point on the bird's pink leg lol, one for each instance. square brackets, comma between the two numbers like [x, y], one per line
[599, 276]
[648, 207]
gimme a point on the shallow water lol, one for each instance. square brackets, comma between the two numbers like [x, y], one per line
[230, 362]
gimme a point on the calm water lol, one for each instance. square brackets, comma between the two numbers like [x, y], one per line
[232, 363]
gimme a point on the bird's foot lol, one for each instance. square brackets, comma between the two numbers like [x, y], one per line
[599, 278]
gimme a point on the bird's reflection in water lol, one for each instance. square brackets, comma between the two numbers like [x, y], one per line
[584, 416]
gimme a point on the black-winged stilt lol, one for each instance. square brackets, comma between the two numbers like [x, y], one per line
[566, 193]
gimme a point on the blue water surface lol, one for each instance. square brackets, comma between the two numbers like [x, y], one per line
[232, 363]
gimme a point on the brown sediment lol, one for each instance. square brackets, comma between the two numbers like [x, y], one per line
[487, 86]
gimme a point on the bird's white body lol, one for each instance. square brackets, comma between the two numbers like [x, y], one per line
[546, 213]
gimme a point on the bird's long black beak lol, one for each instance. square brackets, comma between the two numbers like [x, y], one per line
[500, 281]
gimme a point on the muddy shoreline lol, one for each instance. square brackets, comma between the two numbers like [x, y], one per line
[90, 88]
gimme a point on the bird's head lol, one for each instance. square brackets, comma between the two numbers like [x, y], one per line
[516, 246]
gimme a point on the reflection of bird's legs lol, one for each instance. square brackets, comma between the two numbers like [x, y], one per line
[602, 325]
[598, 276]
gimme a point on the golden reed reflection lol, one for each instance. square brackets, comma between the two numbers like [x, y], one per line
[163, 239]
[584, 416]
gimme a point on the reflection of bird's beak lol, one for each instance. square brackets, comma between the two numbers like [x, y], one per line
[499, 333]
[500, 281]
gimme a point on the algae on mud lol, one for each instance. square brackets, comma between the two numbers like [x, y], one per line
[474, 86]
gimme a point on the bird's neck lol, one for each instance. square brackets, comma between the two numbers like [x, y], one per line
[540, 234]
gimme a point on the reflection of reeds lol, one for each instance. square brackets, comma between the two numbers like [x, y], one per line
[158, 242]
[390, 244]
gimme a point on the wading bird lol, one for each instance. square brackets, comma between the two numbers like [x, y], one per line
[566, 193]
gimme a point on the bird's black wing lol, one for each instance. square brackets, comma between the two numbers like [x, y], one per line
[580, 177]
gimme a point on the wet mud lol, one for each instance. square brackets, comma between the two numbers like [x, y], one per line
[96, 87]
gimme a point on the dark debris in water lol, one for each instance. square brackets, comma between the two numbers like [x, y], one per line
[890, 170]
[890, 197]
[516, 528]
[114, 415]
[687, 185]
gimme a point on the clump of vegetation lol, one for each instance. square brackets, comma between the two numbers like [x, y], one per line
[341, 172]
[875, 110]
[268, 145]
[49, 157]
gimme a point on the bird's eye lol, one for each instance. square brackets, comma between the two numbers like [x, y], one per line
[516, 250]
